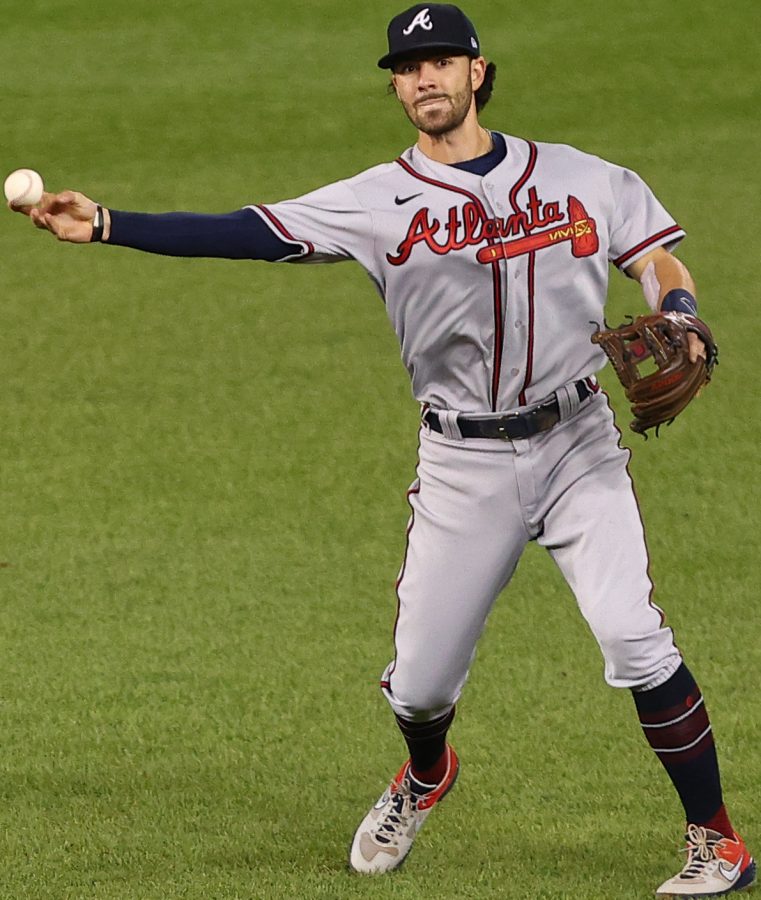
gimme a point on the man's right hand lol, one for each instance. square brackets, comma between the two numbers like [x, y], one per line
[68, 215]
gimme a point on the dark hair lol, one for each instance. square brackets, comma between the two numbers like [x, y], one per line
[483, 94]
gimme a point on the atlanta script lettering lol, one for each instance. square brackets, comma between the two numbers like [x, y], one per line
[469, 228]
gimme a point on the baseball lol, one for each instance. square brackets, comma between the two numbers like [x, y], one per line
[23, 187]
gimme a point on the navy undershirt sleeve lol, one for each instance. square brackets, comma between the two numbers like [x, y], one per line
[242, 234]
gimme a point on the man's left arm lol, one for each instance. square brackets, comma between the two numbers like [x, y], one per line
[668, 287]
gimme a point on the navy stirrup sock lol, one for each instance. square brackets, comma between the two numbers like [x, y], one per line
[675, 722]
[427, 742]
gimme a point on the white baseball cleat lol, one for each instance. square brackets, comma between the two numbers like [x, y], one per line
[716, 865]
[385, 835]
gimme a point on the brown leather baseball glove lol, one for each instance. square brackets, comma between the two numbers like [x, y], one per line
[651, 358]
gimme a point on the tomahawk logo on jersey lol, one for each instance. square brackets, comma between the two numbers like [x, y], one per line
[466, 227]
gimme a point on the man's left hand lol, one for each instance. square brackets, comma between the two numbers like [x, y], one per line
[696, 347]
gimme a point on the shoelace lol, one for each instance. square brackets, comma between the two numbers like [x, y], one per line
[396, 818]
[701, 851]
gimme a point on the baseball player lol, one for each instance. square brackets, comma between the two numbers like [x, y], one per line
[491, 254]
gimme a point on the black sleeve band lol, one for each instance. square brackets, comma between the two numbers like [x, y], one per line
[238, 235]
[97, 226]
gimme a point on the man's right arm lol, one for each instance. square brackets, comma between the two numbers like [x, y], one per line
[242, 234]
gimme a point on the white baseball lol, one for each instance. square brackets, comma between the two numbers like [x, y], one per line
[23, 187]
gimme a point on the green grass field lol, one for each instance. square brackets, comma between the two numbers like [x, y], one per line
[204, 464]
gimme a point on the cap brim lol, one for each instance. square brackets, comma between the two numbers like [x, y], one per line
[390, 59]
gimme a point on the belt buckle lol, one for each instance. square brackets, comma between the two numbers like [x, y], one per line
[511, 419]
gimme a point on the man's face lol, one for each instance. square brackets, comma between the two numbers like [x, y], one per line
[436, 91]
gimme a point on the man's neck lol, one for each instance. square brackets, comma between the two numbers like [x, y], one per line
[467, 141]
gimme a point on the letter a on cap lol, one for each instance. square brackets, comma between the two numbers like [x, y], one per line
[440, 27]
[423, 19]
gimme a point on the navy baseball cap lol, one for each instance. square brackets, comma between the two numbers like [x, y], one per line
[429, 26]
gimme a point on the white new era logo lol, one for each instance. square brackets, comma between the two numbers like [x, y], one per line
[423, 19]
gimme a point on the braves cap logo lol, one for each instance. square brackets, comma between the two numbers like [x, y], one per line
[422, 19]
[429, 27]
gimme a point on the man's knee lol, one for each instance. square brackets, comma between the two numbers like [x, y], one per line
[639, 661]
[418, 699]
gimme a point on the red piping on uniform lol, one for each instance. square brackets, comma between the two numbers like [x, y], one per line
[284, 231]
[646, 243]
[532, 155]
[499, 327]
[530, 347]
[642, 524]
[415, 489]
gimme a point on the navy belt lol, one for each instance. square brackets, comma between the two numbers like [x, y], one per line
[513, 426]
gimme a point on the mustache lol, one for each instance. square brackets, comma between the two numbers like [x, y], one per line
[431, 97]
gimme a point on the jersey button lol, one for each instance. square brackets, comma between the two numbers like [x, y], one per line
[515, 371]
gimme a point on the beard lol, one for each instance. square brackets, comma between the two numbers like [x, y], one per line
[444, 116]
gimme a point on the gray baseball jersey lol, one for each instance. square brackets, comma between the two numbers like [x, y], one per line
[492, 283]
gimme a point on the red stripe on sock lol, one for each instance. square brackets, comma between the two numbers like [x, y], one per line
[720, 822]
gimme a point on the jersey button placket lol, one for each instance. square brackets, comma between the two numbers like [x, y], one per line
[517, 308]
[513, 340]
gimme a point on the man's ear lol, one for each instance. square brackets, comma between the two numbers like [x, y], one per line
[477, 71]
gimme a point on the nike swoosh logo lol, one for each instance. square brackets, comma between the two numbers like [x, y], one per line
[403, 200]
[731, 874]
